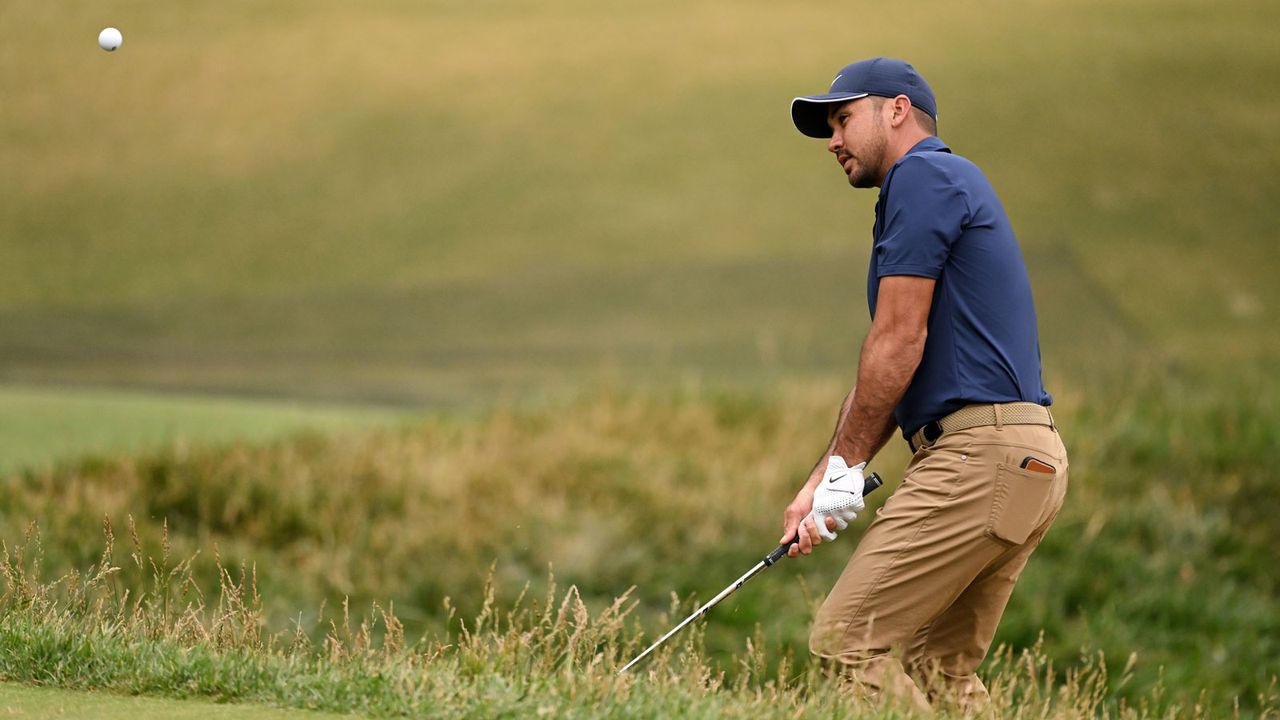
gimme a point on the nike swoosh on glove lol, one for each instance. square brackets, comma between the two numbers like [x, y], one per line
[838, 497]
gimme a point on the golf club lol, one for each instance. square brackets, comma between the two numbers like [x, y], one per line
[869, 485]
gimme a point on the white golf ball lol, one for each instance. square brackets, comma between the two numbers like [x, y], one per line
[109, 39]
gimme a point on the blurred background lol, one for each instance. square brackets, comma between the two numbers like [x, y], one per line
[387, 222]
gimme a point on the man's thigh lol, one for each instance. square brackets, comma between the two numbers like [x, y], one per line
[944, 526]
[924, 547]
[1023, 506]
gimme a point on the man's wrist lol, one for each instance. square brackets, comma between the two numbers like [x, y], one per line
[852, 454]
[853, 457]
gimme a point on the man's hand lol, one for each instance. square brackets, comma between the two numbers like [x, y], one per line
[796, 513]
[838, 498]
[798, 524]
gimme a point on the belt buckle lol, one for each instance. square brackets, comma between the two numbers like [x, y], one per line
[931, 431]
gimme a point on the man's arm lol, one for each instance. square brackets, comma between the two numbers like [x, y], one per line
[842, 425]
[890, 356]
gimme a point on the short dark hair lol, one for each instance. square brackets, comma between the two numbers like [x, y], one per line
[923, 119]
[926, 123]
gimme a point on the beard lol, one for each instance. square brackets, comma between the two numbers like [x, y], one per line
[866, 173]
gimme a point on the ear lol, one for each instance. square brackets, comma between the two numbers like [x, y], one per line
[899, 109]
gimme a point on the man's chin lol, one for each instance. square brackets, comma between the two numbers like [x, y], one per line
[861, 181]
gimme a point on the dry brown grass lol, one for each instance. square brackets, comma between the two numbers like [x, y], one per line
[553, 656]
[673, 495]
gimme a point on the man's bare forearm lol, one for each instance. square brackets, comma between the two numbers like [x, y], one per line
[845, 408]
[815, 475]
[890, 355]
[885, 370]
[842, 421]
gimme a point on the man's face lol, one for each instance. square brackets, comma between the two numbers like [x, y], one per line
[858, 140]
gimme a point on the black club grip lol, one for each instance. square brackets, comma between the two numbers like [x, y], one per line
[869, 486]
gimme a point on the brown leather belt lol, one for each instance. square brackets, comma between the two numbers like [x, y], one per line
[972, 416]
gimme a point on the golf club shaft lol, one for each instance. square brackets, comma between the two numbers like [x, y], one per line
[870, 484]
[698, 613]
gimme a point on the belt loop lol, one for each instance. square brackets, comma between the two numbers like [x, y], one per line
[999, 416]
[1052, 424]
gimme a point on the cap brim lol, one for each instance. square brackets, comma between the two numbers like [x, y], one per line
[809, 112]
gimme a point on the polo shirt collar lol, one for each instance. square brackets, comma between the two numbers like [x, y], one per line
[930, 144]
[933, 143]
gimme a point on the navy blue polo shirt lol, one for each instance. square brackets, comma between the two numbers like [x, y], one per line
[938, 217]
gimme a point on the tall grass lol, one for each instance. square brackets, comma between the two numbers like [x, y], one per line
[533, 658]
[1164, 551]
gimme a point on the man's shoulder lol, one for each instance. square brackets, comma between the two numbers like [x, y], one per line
[936, 163]
[935, 171]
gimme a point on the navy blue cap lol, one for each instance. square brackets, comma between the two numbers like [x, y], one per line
[883, 77]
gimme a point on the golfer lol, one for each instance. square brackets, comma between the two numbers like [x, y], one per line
[952, 360]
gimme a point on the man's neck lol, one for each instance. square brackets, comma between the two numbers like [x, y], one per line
[899, 146]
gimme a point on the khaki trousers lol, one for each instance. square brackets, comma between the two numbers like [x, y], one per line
[915, 610]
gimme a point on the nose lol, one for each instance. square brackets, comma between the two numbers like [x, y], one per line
[836, 143]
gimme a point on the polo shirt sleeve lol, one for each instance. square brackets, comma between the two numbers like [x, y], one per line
[925, 211]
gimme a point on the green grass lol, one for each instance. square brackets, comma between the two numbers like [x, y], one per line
[445, 201]
[493, 205]
[532, 658]
[23, 701]
[1164, 550]
[43, 425]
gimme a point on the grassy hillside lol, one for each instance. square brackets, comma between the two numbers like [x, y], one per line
[494, 206]
[1164, 550]
[440, 201]
[42, 426]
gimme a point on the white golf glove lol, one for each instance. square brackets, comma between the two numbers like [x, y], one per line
[839, 496]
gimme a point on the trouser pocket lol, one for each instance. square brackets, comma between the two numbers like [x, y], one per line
[1017, 503]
